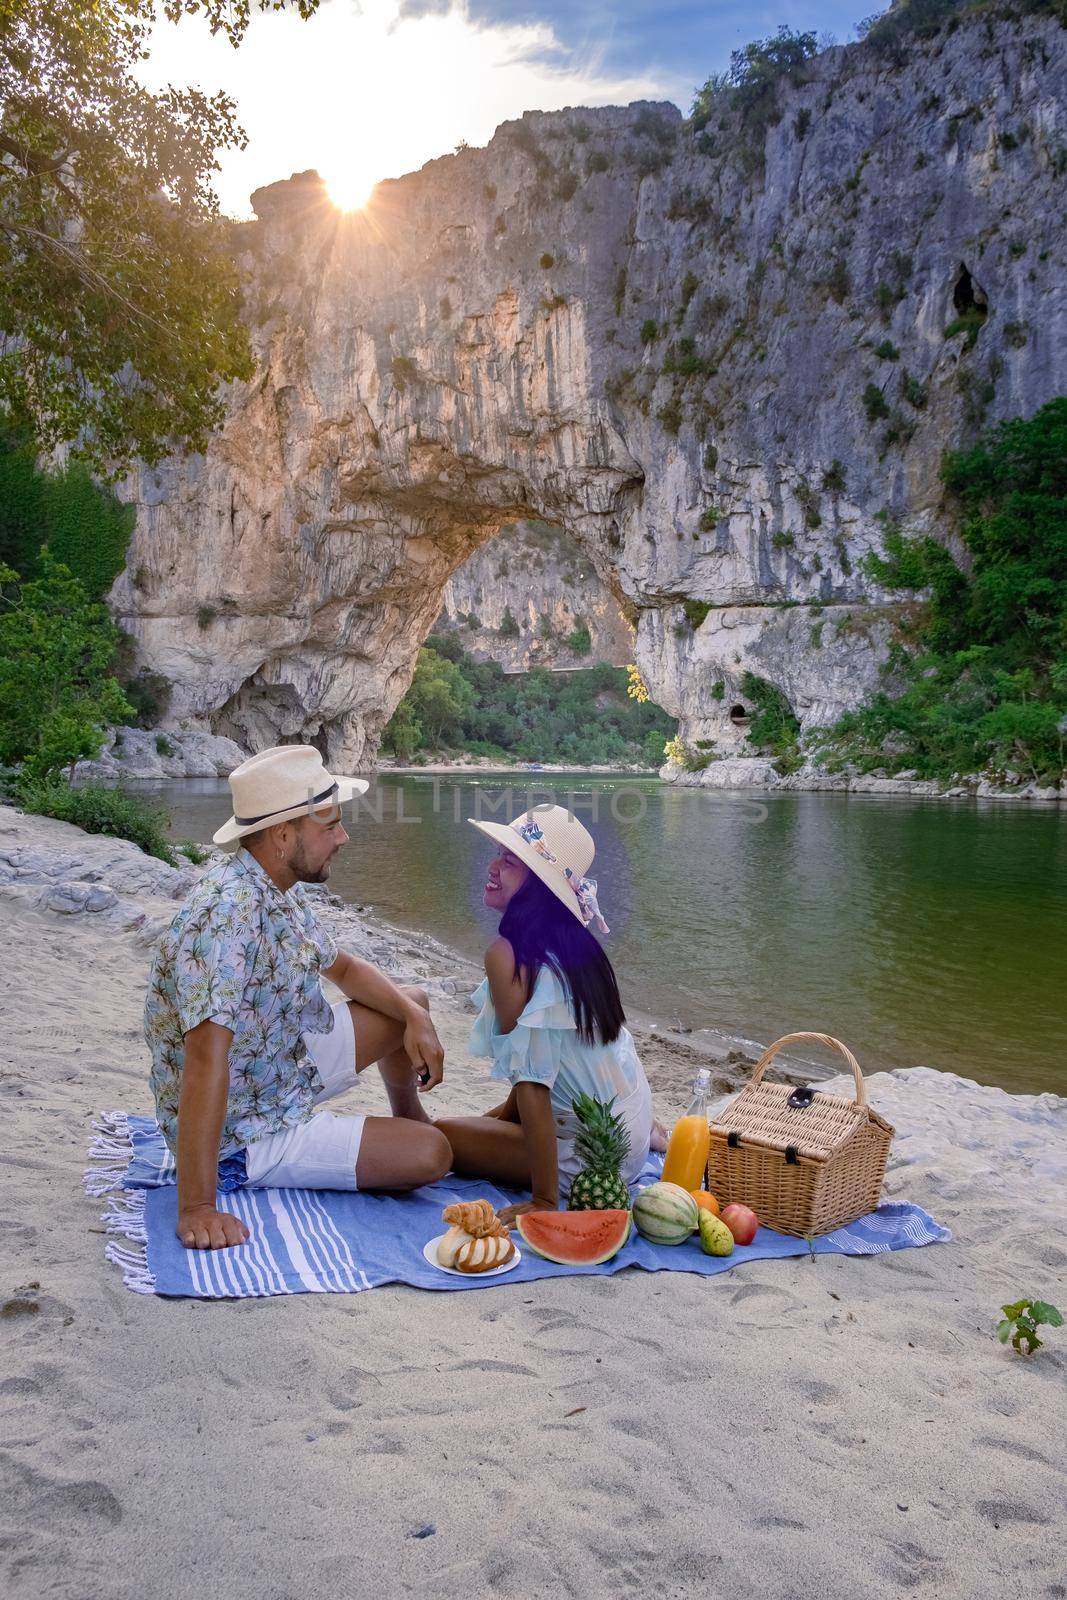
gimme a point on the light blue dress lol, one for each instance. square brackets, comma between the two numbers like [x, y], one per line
[544, 1047]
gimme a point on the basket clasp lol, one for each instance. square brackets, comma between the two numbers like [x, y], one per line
[801, 1097]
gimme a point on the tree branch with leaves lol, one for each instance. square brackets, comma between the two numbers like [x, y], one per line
[120, 301]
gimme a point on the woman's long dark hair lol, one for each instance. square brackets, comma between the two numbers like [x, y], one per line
[543, 933]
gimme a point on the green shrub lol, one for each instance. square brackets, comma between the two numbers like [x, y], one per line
[695, 612]
[887, 351]
[801, 124]
[196, 853]
[970, 323]
[598, 162]
[774, 728]
[711, 458]
[163, 745]
[838, 282]
[579, 641]
[874, 403]
[809, 504]
[709, 519]
[98, 808]
[671, 414]
[205, 616]
[57, 654]
[547, 261]
[912, 390]
[509, 628]
[833, 479]
[649, 330]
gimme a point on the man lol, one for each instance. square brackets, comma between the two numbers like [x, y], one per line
[246, 1047]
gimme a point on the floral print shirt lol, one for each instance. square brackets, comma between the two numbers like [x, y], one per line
[245, 954]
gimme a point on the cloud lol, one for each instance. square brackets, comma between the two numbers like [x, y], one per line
[368, 91]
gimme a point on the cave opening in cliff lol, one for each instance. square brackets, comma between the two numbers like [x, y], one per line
[968, 297]
[739, 717]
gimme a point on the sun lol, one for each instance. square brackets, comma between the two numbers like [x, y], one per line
[349, 189]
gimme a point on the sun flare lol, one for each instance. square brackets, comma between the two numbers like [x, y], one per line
[349, 191]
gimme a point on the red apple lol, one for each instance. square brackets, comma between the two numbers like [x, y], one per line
[741, 1222]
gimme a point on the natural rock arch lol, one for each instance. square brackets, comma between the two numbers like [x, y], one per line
[654, 336]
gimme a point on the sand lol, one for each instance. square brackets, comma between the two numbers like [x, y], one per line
[844, 1427]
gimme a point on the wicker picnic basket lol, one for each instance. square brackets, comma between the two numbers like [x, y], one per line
[805, 1162]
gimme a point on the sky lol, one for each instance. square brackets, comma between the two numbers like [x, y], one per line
[371, 89]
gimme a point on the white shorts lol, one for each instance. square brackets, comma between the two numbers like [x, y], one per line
[320, 1153]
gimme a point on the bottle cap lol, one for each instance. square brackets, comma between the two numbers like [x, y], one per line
[702, 1079]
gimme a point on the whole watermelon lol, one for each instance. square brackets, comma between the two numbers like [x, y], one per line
[665, 1213]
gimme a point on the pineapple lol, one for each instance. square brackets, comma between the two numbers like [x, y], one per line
[603, 1145]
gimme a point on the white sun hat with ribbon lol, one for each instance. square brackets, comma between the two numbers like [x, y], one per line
[557, 849]
[280, 785]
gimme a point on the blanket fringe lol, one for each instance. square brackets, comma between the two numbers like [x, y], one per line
[112, 1149]
[125, 1218]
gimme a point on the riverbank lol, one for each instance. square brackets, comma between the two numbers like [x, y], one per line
[847, 1427]
[759, 773]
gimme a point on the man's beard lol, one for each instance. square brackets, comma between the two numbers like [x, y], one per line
[304, 873]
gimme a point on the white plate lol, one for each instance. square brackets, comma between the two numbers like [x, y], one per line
[430, 1253]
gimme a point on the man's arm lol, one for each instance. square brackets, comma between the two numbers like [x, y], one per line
[360, 981]
[201, 1114]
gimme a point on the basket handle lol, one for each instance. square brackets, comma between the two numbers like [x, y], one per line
[822, 1038]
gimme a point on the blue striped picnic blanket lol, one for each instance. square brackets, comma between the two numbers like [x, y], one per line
[316, 1241]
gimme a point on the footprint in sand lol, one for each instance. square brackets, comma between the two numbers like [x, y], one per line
[1011, 1448]
[1001, 1512]
[34, 1499]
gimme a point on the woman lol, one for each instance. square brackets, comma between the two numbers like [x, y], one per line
[551, 1018]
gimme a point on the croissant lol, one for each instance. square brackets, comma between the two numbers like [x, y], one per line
[449, 1246]
[482, 1255]
[477, 1218]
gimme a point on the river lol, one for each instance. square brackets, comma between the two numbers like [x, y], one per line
[921, 932]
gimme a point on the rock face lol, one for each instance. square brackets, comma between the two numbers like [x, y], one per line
[147, 753]
[522, 598]
[717, 358]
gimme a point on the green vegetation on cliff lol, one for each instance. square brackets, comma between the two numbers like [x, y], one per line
[984, 664]
[458, 705]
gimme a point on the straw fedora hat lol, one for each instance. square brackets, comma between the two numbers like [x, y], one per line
[557, 849]
[280, 784]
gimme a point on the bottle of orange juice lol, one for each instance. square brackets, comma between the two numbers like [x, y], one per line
[687, 1152]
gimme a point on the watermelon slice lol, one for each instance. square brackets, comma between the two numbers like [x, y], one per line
[575, 1238]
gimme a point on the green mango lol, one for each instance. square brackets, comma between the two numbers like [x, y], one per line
[715, 1237]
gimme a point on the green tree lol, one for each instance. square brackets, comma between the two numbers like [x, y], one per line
[85, 527]
[755, 70]
[439, 696]
[57, 694]
[403, 733]
[984, 663]
[119, 296]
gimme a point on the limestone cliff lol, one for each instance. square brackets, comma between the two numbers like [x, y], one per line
[716, 358]
[524, 600]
